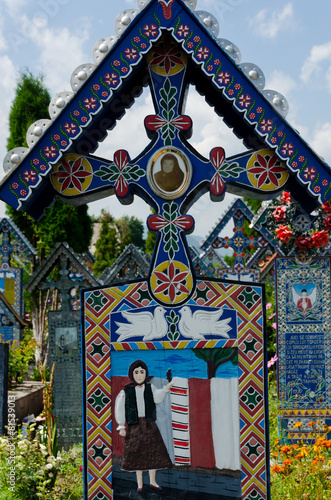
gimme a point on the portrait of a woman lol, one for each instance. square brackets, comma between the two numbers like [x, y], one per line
[171, 176]
[144, 449]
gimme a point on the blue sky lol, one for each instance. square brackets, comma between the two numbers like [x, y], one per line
[289, 40]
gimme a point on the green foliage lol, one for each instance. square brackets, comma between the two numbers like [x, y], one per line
[20, 356]
[30, 104]
[216, 357]
[37, 474]
[114, 236]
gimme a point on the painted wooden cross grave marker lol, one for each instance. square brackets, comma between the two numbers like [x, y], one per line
[203, 336]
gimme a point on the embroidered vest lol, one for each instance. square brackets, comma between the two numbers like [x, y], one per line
[131, 410]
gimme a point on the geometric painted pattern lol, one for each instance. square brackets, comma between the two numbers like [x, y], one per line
[247, 300]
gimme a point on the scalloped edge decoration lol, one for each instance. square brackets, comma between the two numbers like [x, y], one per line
[58, 103]
[102, 47]
[230, 48]
[124, 19]
[191, 4]
[209, 21]
[13, 158]
[80, 75]
[142, 4]
[254, 73]
[277, 100]
[36, 130]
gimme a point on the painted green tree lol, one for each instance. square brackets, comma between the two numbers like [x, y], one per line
[217, 357]
[61, 222]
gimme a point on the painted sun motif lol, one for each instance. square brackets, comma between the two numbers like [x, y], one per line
[72, 175]
[171, 282]
[265, 171]
[167, 59]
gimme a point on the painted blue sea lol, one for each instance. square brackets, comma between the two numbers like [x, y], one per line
[183, 363]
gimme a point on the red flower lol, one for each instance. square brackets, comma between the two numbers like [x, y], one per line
[320, 239]
[171, 281]
[283, 233]
[166, 56]
[279, 214]
[326, 207]
[327, 221]
[304, 242]
[72, 175]
[286, 198]
[266, 170]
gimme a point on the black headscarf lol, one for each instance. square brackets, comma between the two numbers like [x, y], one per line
[137, 364]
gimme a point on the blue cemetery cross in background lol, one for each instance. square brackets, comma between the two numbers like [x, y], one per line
[13, 245]
[168, 46]
[238, 242]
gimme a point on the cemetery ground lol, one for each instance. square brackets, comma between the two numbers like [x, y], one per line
[298, 471]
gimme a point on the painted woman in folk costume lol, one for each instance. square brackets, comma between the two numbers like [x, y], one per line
[144, 448]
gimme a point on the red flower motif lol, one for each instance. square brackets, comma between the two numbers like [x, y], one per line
[196, 39]
[158, 222]
[23, 192]
[14, 185]
[72, 175]
[252, 116]
[124, 69]
[131, 54]
[96, 87]
[286, 198]
[117, 63]
[121, 160]
[84, 119]
[325, 182]
[217, 62]
[245, 100]
[317, 189]
[203, 53]
[223, 77]
[231, 92]
[266, 125]
[217, 156]
[76, 113]
[280, 133]
[320, 238]
[279, 214]
[183, 30]
[43, 168]
[63, 143]
[29, 176]
[304, 242]
[190, 45]
[90, 103]
[273, 140]
[156, 122]
[309, 173]
[36, 161]
[327, 221]
[50, 151]
[71, 128]
[267, 170]
[104, 93]
[166, 56]
[150, 30]
[171, 282]
[294, 164]
[301, 158]
[57, 137]
[210, 67]
[259, 110]
[136, 39]
[327, 207]
[283, 233]
[111, 79]
[143, 45]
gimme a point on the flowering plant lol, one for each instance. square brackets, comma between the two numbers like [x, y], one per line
[297, 232]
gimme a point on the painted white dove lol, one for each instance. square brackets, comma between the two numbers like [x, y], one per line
[202, 323]
[143, 323]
